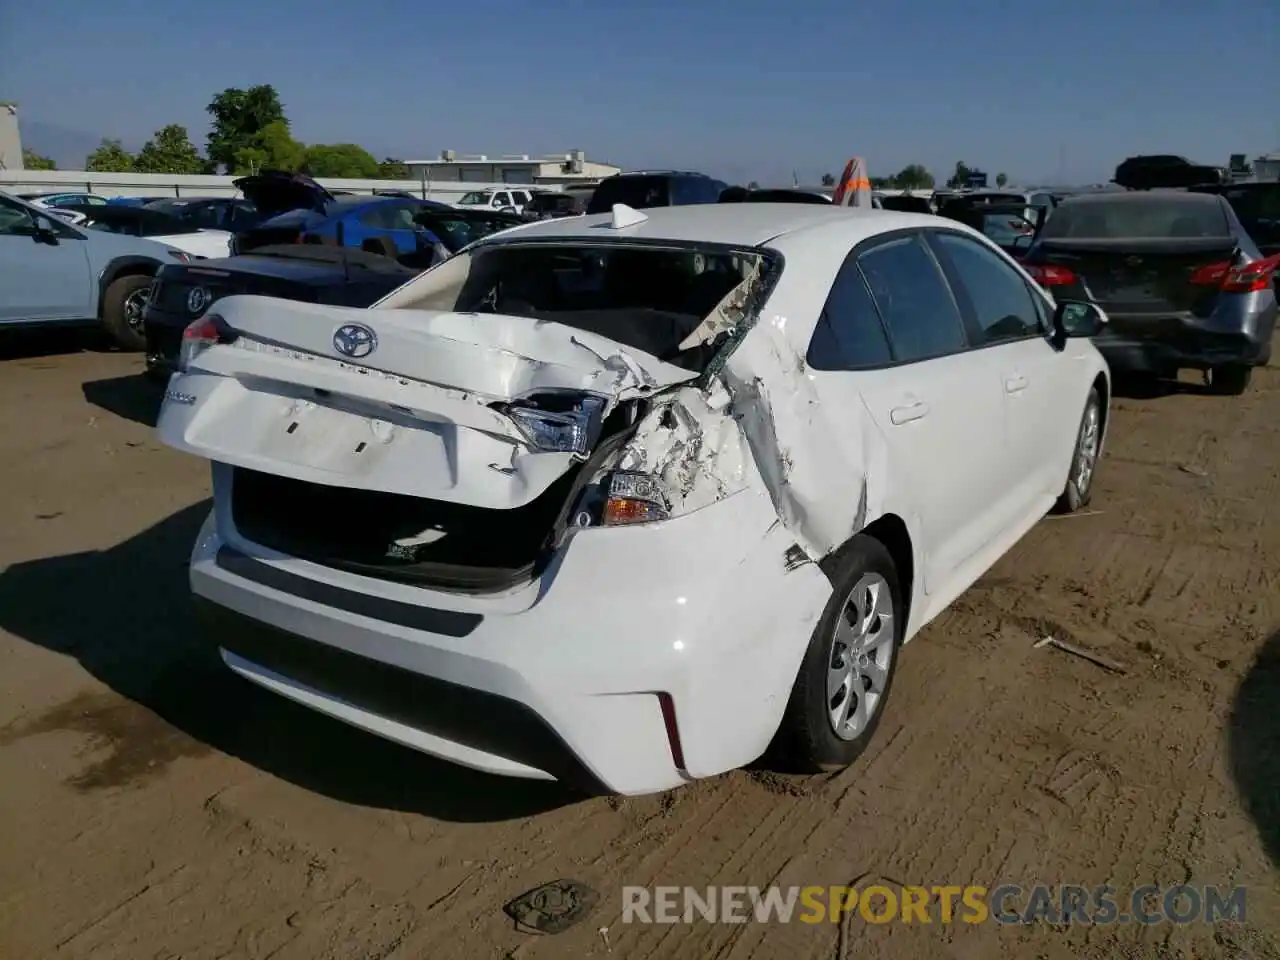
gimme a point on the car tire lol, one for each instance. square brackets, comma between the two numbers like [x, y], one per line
[122, 298]
[1084, 457]
[852, 655]
[1229, 380]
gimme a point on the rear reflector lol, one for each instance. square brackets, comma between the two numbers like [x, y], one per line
[1050, 275]
[673, 731]
[1248, 278]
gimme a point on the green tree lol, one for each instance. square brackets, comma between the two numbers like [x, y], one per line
[34, 161]
[271, 147]
[1001, 179]
[828, 179]
[961, 176]
[110, 157]
[169, 151]
[392, 169]
[342, 160]
[913, 177]
[240, 116]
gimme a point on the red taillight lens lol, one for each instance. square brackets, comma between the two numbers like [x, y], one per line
[200, 335]
[1211, 275]
[1247, 278]
[1051, 275]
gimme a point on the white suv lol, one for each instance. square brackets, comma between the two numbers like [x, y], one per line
[622, 499]
[505, 201]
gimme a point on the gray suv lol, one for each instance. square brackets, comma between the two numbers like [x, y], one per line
[54, 273]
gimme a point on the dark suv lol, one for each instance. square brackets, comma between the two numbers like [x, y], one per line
[655, 188]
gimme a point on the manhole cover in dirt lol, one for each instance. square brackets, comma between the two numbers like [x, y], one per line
[552, 907]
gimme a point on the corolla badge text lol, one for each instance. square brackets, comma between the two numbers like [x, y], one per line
[355, 340]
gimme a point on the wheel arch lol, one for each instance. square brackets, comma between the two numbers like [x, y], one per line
[891, 531]
[126, 266]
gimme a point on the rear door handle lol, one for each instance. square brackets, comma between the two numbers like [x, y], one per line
[1015, 384]
[912, 411]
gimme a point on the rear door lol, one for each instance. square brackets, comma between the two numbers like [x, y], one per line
[1009, 326]
[936, 402]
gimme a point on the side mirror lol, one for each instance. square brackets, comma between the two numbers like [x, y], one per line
[1022, 243]
[43, 229]
[1075, 318]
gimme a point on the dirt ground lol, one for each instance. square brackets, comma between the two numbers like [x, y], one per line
[152, 805]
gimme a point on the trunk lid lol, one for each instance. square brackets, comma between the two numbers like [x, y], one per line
[274, 191]
[485, 410]
[1130, 278]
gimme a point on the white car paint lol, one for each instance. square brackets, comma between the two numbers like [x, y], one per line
[511, 199]
[656, 652]
[212, 244]
[207, 243]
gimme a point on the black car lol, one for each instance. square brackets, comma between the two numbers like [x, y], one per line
[1183, 284]
[545, 205]
[1166, 171]
[208, 213]
[765, 195]
[1258, 207]
[655, 188]
[311, 272]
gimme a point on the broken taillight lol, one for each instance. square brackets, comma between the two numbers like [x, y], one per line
[559, 423]
[201, 334]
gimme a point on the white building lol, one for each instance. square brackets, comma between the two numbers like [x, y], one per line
[565, 168]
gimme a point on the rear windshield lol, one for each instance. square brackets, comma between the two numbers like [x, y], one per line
[649, 299]
[636, 192]
[1151, 217]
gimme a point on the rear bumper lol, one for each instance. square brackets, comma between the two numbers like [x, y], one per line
[1188, 345]
[565, 679]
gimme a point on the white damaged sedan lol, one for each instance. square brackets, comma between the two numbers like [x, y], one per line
[622, 500]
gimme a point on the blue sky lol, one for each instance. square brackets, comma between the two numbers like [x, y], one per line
[746, 90]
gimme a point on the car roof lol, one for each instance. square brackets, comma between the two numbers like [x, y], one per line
[735, 224]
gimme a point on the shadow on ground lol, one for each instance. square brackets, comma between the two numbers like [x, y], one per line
[1254, 741]
[36, 342]
[133, 397]
[1135, 387]
[132, 626]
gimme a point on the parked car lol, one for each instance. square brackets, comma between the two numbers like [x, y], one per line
[643, 189]
[233, 214]
[132, 201]
[1166, 170]
[52, 272]
[144, 222]
[1009, 220]
[546, 205]
[310, 272]
[1182, 282]
[581, 487]
[383, 225]
[505, 201]
[1257, 206]
[62, 199]
[905, 203]
[747, 195]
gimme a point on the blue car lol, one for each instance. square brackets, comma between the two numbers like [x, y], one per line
[299, 210]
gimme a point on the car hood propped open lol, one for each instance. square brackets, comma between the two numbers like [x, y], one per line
[274, 191]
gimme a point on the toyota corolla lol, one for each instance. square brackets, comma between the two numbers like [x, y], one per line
[622, 500]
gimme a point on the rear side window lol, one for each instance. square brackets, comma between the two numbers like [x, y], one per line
[913, 298]
[635, 192]
[849, 335]
[1148, 217]
[1001, 302]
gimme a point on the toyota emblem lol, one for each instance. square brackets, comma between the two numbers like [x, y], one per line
[355, 340]
[197, 299]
